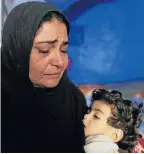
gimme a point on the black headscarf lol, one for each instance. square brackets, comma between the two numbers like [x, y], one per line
[35, 119]
[19, 32]
[17, 39]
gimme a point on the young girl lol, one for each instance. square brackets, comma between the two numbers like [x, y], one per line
[110, 125]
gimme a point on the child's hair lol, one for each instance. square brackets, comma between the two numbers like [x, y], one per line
[124, 116]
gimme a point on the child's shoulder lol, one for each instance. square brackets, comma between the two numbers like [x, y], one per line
[100, 144]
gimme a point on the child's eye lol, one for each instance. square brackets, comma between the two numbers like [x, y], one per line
[96, 117]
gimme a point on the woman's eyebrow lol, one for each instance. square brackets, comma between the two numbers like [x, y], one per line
[47, 41]
[52, 41]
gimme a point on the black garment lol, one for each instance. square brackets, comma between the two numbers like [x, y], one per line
[35, 119]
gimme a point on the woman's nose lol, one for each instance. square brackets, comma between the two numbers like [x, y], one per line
[58, 60]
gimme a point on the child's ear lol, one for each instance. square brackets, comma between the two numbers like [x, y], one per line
[117, 135]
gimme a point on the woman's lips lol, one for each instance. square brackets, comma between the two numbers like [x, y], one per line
[54, 75]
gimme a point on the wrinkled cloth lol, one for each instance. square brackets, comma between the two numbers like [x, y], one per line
[100, 144]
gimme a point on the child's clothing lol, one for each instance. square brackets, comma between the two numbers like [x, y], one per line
[100, 144]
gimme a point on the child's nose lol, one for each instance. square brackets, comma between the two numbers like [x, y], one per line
[86, 116]
[89, 115]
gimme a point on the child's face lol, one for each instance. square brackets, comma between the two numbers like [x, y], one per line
[95, 121]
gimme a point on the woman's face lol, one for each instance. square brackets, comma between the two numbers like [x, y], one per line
[49, 59]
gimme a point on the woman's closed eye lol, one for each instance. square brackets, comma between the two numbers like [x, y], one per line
[46, 51]
[43, 51]
[63, 51]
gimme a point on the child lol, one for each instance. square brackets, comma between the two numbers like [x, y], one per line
[110, 125]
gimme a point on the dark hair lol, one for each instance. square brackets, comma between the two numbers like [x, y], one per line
[124, 116]
[56, 15]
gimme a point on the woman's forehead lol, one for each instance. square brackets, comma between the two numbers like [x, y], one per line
[52, 30]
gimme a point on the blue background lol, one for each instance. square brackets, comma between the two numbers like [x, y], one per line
[106, 40]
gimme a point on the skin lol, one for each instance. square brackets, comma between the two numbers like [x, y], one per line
[48, 59]
[139, 95]
[95, 122]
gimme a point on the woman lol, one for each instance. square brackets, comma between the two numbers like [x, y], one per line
[42, 110]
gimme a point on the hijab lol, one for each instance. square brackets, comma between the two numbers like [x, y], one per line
[17, 39]
[35, 119]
